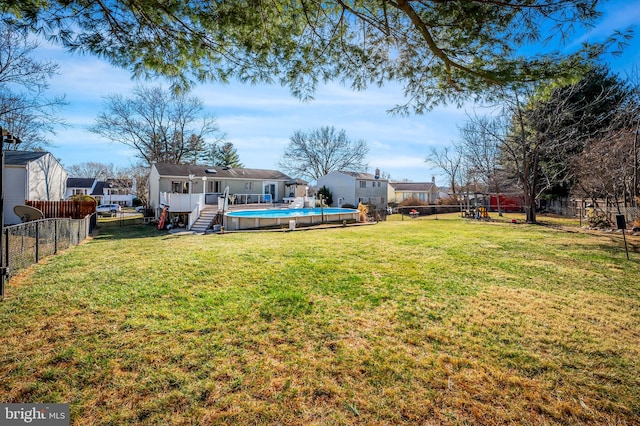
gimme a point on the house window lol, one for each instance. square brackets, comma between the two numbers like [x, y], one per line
[79, 192]
[179, 187]
[248, 185]
[363, 184]
[214, 186]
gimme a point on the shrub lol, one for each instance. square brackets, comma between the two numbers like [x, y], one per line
[326, 194]
[448, 201]
[413, 201]
[363, 212]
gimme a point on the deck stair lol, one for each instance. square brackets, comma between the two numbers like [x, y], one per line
[204, 222]
[298, 203]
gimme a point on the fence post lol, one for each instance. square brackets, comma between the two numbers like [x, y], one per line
[6, 249]
[5, 235]
[37, 241]
[55, 236]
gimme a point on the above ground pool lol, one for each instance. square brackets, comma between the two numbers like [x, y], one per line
[250, 219]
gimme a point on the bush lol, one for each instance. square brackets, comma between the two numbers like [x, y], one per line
[363, 212]
[448, 201]
[326, 194]
[413, 201]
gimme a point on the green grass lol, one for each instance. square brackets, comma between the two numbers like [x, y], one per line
[419, 321]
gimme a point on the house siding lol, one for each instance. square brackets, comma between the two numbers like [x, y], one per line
[342, 188]
[15, 193]
[47, 179]
[345, 189]
[399, 192]
[154, 188]
[41, 179]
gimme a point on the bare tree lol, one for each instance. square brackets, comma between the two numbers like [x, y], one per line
[481, 144]
[449, 160]
[321, 151]
[605, 168]
[161, 125]
[92, 169]
[608, 166]
[25, 111]
[136, 178]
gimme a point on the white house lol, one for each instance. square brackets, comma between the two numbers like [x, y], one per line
[33, 176]
[116, 191]
[426, 192]
[80, 186]
[113, 191]
[355, 187]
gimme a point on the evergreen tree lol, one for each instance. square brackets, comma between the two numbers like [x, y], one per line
[224, 155]
[439, 51]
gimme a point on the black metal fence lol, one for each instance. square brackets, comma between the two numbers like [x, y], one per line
[27, 243]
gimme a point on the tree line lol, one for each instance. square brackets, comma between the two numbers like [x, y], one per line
[564, 138]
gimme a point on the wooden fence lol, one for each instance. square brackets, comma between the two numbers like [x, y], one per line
[64, 209]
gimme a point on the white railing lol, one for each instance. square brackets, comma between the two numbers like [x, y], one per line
[236, 199]
[195, 214]
[182, 202]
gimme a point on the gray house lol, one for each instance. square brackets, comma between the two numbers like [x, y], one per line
[426, 192]
[355, 187]
[33, 176]
[188, 190]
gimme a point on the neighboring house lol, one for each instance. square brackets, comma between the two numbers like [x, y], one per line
[187, 189]
[80, 186]
[355, 187]
[33, 176]
[115, 191]
[426, 192]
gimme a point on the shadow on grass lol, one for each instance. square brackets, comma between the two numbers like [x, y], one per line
[127, 229]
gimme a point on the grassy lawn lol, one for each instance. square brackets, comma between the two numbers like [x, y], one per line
[419, 321]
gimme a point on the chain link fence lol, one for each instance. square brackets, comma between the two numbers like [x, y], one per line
[27, 243]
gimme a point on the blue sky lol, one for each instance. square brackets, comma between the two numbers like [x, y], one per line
[259, 120]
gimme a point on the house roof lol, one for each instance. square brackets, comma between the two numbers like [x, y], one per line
[184, 170]
[297, 181]
[80, 182]
[99, 188]
[361, 175]
[412, 186]
[21, 158]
